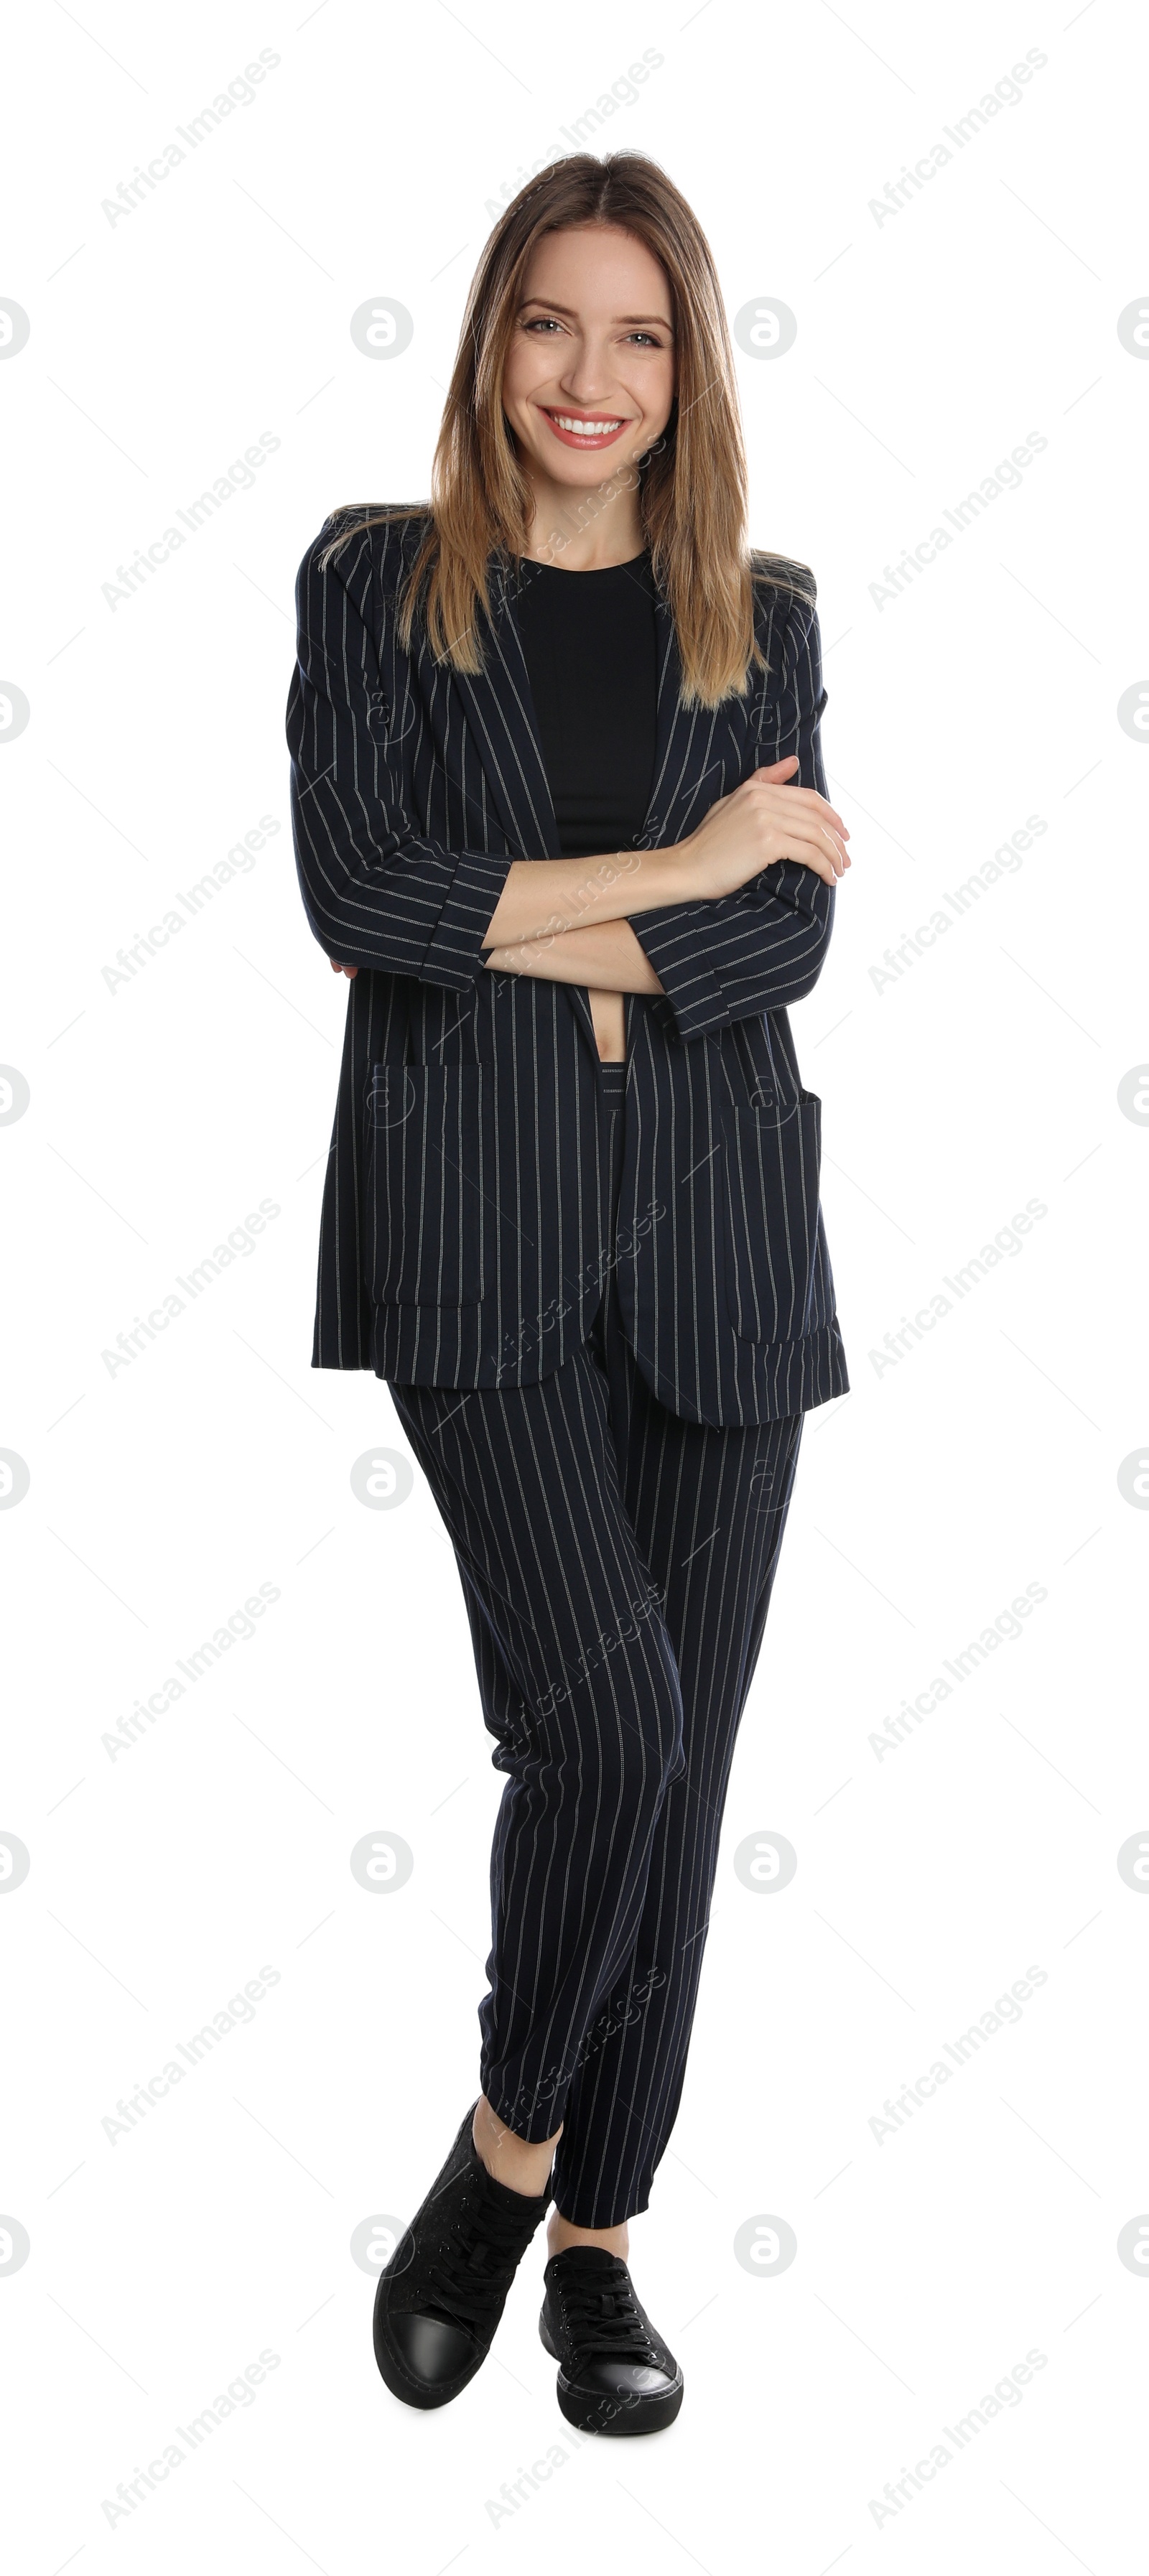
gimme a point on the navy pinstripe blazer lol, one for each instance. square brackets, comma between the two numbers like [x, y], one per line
[464, 1232]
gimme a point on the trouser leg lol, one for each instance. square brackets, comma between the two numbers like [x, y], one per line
[580, 1689]
[708, 1508]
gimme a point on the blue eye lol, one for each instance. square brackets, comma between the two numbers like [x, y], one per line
[550, 322]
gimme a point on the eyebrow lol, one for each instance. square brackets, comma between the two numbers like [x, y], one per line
[570, 315]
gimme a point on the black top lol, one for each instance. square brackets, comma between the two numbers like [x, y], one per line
[590, 645]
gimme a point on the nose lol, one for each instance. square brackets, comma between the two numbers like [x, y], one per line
[589, 378]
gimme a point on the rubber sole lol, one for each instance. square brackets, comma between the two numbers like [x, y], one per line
[592, 2412]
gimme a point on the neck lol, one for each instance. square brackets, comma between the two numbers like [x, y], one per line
[584, 531]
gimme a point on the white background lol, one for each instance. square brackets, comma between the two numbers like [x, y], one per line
[985, 1459]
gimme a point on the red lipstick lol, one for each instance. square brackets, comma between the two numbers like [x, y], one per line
[595, 439]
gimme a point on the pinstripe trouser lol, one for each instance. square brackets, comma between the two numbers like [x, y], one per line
[616, 1564]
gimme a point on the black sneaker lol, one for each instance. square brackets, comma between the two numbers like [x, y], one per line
[616, 2375]
[440, 2298]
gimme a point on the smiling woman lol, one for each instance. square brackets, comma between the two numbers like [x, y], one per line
[605, 265]
[560, 813]
[591, 367]
[591, 374]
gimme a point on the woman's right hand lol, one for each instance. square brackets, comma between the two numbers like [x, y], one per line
[763, 820]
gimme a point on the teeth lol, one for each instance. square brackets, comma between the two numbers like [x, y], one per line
[586, 428]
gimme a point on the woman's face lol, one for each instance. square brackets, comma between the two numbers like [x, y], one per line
[589, 378]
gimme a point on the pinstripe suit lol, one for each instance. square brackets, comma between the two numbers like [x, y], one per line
[464, 1225]
[601, 1299]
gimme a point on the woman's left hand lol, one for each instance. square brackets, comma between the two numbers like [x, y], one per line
[337, 969]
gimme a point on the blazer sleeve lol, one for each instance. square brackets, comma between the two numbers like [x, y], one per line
[736, 956]
[376, 891]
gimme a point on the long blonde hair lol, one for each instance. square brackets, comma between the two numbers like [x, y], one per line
[692, 484]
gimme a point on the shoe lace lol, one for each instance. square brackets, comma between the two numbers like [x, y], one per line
[602, 2314]
[475, 2261]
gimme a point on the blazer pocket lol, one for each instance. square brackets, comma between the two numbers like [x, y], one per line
[772, 1161]
[424, 1185]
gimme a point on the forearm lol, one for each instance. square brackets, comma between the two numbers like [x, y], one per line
[605, 955]
[759, 950]
[542, 898]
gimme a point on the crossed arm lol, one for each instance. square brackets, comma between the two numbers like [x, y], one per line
[382, 895]
[601, 954]
[604, 956]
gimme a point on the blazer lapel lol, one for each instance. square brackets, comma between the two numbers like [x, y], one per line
[666, 720]
[498, 704]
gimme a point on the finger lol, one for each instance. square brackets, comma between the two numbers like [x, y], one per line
[818, 849]
[834, 848]
[809, 796]
[805, 799]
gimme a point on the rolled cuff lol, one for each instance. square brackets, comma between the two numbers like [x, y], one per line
[693, 992]
[454, 951]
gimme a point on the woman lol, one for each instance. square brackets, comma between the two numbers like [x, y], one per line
[560, 813]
